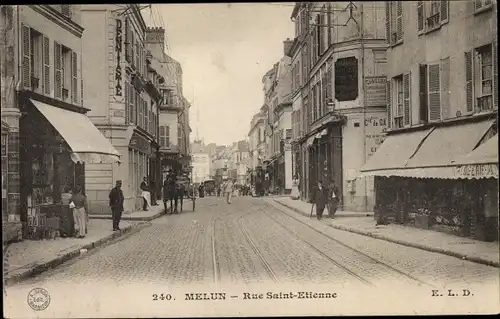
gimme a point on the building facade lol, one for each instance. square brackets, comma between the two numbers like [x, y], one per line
[256, 140]
[439, 122]
[123, 107]
[338, 98]
[50, 139]
[200, 162]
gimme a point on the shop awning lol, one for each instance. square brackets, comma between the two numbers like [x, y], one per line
[437, 154]
[486, 153]
[85, 140]
[393, 154]
[447, 143]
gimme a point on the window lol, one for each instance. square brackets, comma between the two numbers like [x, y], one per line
[164, 136]
[398, 101]
[66, 72]
[304, 64]
[431, 15]
[36, 62]
[394, 22]
[35, 57]
[484, 86]
[346, 79]
[167, 97]
[146, 116]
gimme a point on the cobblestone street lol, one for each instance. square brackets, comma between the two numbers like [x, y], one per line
[253, 241]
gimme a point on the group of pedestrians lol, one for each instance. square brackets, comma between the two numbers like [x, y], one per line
[77, 203]
[325, 197]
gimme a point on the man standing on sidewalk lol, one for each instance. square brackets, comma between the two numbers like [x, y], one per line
[146, 194]
[320, 198]
[116, 203]
[333, 200]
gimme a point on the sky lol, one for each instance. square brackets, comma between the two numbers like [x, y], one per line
[224, 50]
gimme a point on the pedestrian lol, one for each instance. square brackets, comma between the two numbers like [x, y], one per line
[80, 212]
[66, 195]
[295, 188]
[146, 194]
[228, 190]
[320, 198]
[218, 191]
[116, 203]
[333, 199]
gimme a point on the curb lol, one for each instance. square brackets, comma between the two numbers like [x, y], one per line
[336, 215]
[128, 218]
[38, 269]
[461, 256]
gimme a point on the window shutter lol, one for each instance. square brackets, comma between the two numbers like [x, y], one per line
[399, 20]
[26, 56]
[407, 98]
[444, 10]
[127, 104]
[388, 21]
[132, 48]
[434, 92]
[389, 104]
[423, 93]
[329, 23]
[74, 77]
[479, 4]
[130, 103]
[46, 65]
[469, 85]
[495, 73]
[420, 16]
[66, 10]
[167, 136]
[162, 136]
[445, 88]
[58, 70]
[128, 38]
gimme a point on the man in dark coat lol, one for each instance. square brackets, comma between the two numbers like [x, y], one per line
[320, 198]
[333, 199]
[116, 203]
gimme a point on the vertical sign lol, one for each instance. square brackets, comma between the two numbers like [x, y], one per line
[118, 49]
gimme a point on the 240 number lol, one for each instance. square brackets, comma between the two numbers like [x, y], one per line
[162, 297]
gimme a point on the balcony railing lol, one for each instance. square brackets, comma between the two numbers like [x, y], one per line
[485, 103]
[398, 122]
[433, 21]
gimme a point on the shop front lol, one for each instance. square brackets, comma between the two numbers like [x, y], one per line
[325, 157]
[170, 162]
[141, 164]
[431, 179]
[55, 143]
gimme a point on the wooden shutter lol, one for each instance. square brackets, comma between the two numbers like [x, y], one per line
[420, 16]
[399, 20]
[167, 136]
[162, 136]
[130, 103]
[26, 76]
[407, 98]
[66, 10]
[58, 80]
[423, 98]
[128, 39]
[434, 92]
[388, 21]
[444, 10]
[469, 84]
[389, 104]
[495, 73]
[445, 88]
[146, 116]
[127, 104]
[132, 48]
[329, 24]
[46, 65]
[479, 4]
[74, 77]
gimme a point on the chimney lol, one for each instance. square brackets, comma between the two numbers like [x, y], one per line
[287, 45]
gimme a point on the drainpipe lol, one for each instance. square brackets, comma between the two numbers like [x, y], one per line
[362, 35]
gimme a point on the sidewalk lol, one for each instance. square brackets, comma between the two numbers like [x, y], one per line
[300, 207]
[29, 257]
[140, 215]
[461, 247]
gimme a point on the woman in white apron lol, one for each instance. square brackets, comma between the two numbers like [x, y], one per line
[295, 188]
[146, 195]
